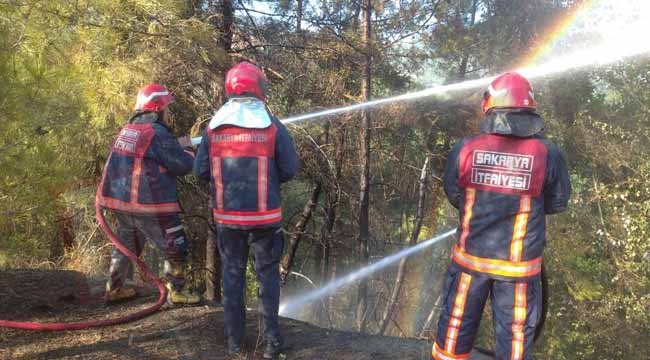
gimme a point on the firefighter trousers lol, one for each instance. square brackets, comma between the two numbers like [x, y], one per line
[165, 231]
[267, 246]
[516, 311]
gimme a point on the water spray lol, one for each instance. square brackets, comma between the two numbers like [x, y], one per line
[290, 306]
[608, 52]
[619, 45]
[616, 47]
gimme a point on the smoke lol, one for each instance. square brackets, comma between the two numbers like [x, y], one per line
[292, 306]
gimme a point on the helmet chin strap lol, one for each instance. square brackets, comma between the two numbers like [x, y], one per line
[163, 116]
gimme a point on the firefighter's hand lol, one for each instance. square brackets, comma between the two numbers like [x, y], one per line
[185, 141]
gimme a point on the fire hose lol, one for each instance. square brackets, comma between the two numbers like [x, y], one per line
[81, 325]
[163, 294]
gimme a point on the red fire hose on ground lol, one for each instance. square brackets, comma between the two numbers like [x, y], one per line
[104, 322]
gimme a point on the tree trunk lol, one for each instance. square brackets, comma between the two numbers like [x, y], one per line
[225, 40]
[364, 160]
[324, 253]
[319, 248]
[326, 237]
[332, 275]
[65, 230]
[432, 313]
[224, 26]
[299, 16]
[332, 203]
[401, 271]
[191, 8]
[327, 271]
[354, 24]
[298, 230]
[212, 263]
[462, 71]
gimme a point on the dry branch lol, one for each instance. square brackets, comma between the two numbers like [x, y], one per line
[401, 272]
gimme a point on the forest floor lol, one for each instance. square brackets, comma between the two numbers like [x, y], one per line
[173, 333]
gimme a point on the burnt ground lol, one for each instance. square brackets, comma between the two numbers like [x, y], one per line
[173, 333]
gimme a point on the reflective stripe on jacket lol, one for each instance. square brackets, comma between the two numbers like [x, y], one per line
[141, 170]
[504, 186]
[245, 167]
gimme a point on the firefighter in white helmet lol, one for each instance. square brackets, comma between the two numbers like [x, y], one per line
[139, 186]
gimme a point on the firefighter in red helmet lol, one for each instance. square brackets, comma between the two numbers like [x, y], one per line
[245, 154]
[504, 182]
[139, 186]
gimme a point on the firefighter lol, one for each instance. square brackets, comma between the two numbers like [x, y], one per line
[245, 154]
[139, 187]
[503, 182]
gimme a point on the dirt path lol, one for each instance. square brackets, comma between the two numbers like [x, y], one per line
[178, 333]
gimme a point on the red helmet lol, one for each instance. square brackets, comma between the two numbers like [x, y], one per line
[246, 78]
[509, 90]
[153, 97]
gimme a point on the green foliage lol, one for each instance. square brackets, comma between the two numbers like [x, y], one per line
[70, 71]
[598, 252]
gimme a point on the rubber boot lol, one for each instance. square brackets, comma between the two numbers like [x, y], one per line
[181, 297]
[175, 275]
[119, 294]
[234, 348]
[273, 348]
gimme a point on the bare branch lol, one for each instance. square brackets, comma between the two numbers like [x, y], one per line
[415, 234]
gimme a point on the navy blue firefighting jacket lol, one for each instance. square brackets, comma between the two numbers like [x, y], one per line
[245, 167]
[141, 170]
[504, 181]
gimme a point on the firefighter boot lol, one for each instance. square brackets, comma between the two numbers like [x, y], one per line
[175, 280]
[273, 349]
[234, 348]
[115, 286]
[181, 297]
[119, 294]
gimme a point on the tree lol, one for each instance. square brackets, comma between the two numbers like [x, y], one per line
[70, 71]
[415, 234]
[364, 161]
